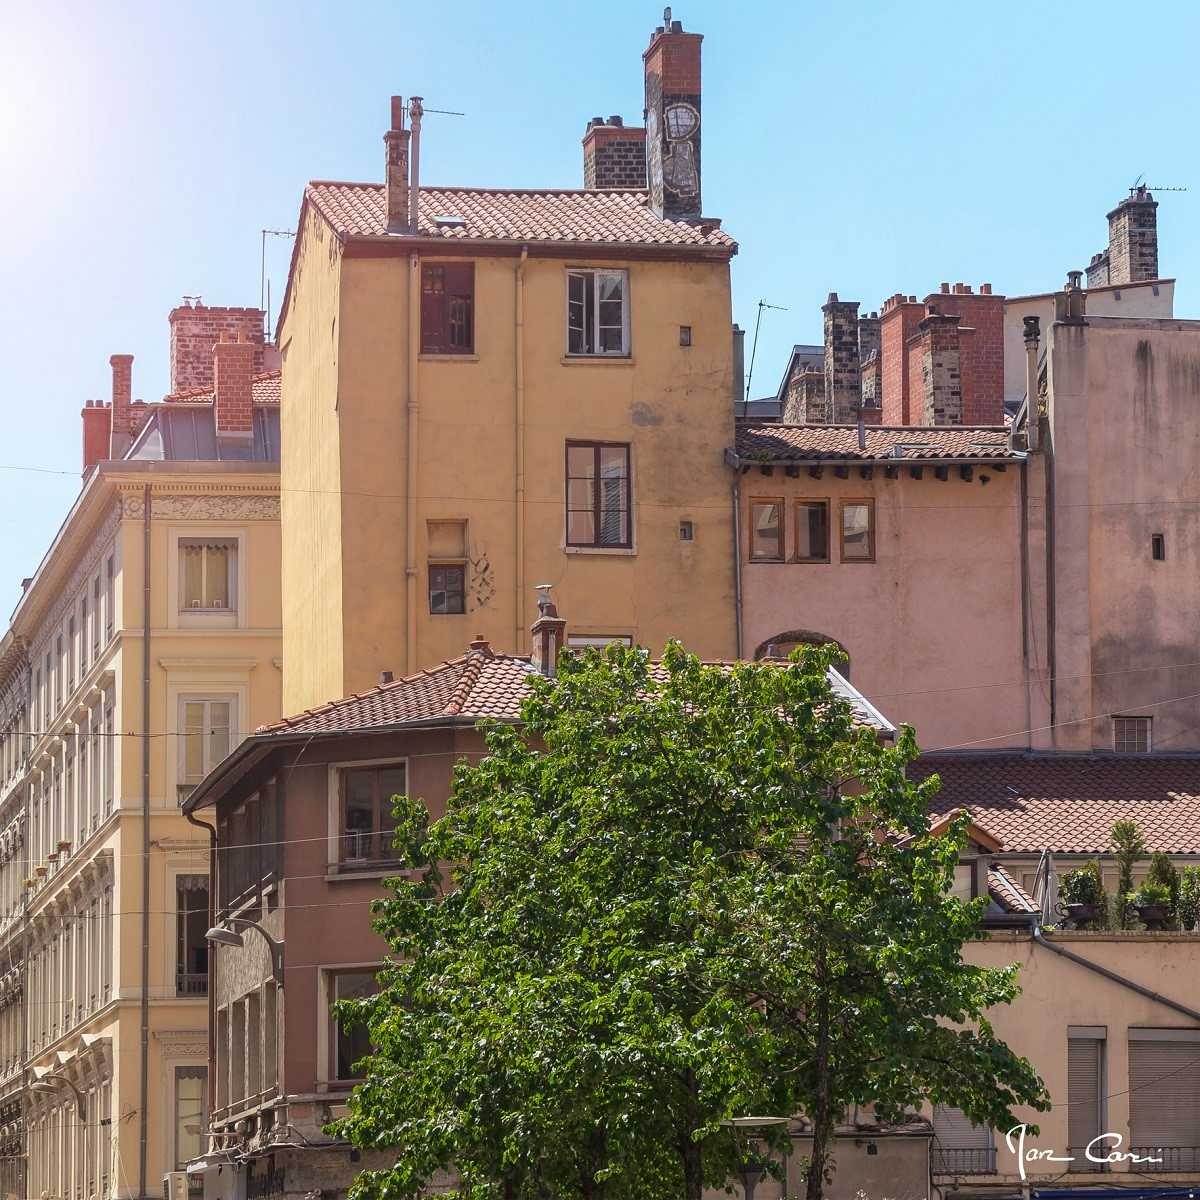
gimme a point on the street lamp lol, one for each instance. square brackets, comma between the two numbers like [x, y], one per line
[752, 1167]
[222, 935]
[56, 1083]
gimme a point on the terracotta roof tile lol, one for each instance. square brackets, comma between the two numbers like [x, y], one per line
[264, 389]
[1007, 892]
[1068, 804]
[771, 442]
[476, 686]
[515, 215]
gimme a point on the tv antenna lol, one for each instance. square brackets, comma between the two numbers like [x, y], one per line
[1150, 187]
[754, 347]
[264, 285]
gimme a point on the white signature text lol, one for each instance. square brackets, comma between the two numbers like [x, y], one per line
[1104, 1148]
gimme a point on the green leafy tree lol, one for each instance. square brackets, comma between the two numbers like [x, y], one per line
[1130, 848]
[675, 896]
[1189, 898]
[1162, 871]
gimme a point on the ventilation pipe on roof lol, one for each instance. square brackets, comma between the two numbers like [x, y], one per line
[1033, 335]
[415, 112]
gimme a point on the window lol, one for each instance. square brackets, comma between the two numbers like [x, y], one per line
[204, 739]
[95, 617]
[191, 923]
[447, 588]
[109, 617]
[598, 495]
[1158, 547]
[812, 531]
[208, 574]
[687, 531]
[1131, 735]
[1164, 1097]
[597, 312]
[964, 881]
[858, 531]
[447, 308]
[1085, 1091]
[365, 806]
[350, 1042]
[959, 1147]
[72, 655]
[191, 1113]
[766, 530]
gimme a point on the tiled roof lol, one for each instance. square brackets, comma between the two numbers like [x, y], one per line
[477, 685]
[264, 389]
[517, 215]
[1068, 804]
[1007, 892]
[809, 443]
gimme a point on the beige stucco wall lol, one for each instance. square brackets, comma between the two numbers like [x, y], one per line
[671, 403]
[932, 626]
[1056, 994]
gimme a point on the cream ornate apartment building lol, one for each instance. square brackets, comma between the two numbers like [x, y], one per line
[143, 648]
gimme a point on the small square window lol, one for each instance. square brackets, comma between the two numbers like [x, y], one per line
[1131, 735]
[858, 531]
[766, 530]
[1158, 547]
[686, 531]
[447, 588]
[812, 531]
[685, 335]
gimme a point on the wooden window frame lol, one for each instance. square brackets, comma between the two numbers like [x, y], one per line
[461, 568]
[437, 336]
[848, 502]
[596, 447]
[330, 1032]
[780, 503]
[591, 277]
[810, 503]
[382, 855]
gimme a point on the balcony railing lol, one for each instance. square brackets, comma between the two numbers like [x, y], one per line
[191, 984]
[978, 1160]
[1174, 1158]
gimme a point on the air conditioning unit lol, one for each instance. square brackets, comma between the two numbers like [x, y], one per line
[175, 1185]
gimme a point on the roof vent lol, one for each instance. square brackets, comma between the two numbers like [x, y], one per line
[450, 221]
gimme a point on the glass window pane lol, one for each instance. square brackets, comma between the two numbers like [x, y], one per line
[766, 540]
[812, 531]
[353, 1043]
[611, 287]
[581, 462]
[191, 1091]
[856, 531]
[218, 738]
[216, 577]
[358, 814]
[193, 741]
[581, 528]
[613, 460]
[580, 495]
[192, 586]
[391, 784]
[579, 332]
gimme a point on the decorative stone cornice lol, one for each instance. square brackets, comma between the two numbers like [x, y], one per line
[181, 1043]
[222, 503]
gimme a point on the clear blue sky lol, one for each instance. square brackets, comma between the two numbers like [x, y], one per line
[865, 148]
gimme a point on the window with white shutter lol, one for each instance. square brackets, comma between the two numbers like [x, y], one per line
[1164, 1096]
[960, 1147]
[1085, 1093]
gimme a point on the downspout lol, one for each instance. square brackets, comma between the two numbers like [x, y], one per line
[1023, 517]
[1158, 998]
[410, 480]
[211, 1082]
[144, 1104]
[519, 389]
[736, 493]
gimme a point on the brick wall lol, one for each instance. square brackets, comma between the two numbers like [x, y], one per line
[898, 321]
[672, 70]
[982, 354]
[843, 387]
[97, 433]
[871, 370]
[196, 329]
[935, 353]
[233, 369]
[614, 156]
[1133, 239]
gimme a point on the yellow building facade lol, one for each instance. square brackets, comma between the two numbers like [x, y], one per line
[488, 390]
[144, 647]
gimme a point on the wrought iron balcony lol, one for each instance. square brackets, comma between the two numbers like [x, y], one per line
[977, 1160]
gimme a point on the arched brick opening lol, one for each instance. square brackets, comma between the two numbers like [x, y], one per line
[782, 644]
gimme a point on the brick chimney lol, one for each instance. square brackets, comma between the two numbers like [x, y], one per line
[122, 422]
[934, 369]
[233, 369]
[981, 349]
[843, 386]
[1133, 238]
[395, 179]
[196, 329]
[868, 335]
[97, 433]
[614, 156]
[672, 66]
[898, 320]
[548, 632]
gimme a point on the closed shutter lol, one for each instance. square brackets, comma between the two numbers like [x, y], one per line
[433, 309]
[961, 1148]
[1164, 1091]
[1085, 1105]
[460, 308]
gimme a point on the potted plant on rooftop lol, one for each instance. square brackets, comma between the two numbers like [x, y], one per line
[1188, 906]
[1153, 904]
[1081, 893]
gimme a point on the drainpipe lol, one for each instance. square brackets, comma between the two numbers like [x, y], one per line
[737, 559]
[1158, 998]
[410, 481]
[519, 389]
[144, 1105]
[1023, 517]
[211, 1083]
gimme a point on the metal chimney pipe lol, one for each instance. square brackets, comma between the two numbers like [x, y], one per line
[1033, 337]
[415, 112]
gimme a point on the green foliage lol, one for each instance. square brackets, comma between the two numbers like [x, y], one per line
[1189, 898]
[659, 905]
[1162, 871]
[1130, 848]
[1083, 886]
[1150, 893]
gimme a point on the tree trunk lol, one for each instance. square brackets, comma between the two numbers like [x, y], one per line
[689, 1149]
[589, 1186]
[822, 1117]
